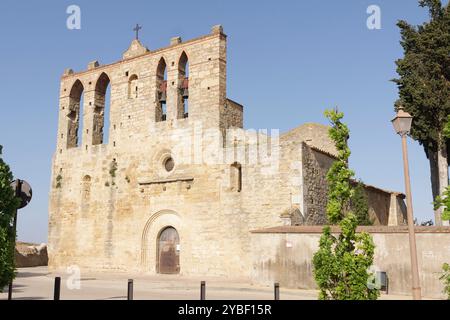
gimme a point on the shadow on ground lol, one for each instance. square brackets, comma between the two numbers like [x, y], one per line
[31, 274]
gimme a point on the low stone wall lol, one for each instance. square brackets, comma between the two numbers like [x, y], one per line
[284, 255]
[30, 255]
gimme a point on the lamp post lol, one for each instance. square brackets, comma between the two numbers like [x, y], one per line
[402, 125]
[22, 190]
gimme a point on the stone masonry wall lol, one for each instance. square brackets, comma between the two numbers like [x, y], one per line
[316, 166]
[285, 255]
[382, 204]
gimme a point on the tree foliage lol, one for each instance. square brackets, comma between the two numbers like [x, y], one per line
[424, 82]
[339, 175]
[447, 128]
[341, 264]
[360, 206]
[443, 201]
[8, 205]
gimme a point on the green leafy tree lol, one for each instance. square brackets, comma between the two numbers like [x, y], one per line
[443, 201]
[8, 205]
[360, 206]
[341, 264]
[424, 87]
[447, 128]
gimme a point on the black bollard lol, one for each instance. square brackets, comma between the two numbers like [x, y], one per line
[203, 290]
[130, 289]
[57, 289]
[276, 289]
[10, 288]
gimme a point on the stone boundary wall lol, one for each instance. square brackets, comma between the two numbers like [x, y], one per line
[30, 255]
[284, 255]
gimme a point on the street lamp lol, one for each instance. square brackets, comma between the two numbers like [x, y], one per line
[23, 192]
[402, 125]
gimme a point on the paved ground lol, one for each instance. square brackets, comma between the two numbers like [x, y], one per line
[37, 283]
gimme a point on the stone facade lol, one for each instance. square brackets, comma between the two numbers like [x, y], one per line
[175, 154]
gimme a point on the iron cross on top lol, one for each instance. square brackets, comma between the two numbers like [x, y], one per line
[137, 28]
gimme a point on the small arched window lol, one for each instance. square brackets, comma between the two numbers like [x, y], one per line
[236, 177]
[86, 188]
[133, 87]
[161, 85]
[75, 115]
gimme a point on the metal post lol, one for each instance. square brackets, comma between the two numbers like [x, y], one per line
[203, 290]
[276, 289]
[130, 289]
[10, 287]
[412, 237]
[57, 289]
[17, 194]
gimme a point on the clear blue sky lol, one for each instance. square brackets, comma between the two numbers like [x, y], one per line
[287, 62]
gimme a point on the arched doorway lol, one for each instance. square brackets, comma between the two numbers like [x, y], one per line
[168, 251]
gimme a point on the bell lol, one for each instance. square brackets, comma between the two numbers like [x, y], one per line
[185, 93]
[162, 97]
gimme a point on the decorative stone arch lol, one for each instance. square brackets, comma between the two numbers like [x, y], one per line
[155, 224]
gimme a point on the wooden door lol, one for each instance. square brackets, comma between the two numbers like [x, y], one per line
[169, 251]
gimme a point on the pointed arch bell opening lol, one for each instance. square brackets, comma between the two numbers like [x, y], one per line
[102, 97]
[183, 92]
[161, 91]
[74, 115]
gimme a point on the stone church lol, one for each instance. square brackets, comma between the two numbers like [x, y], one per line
[154, 172]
